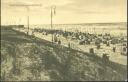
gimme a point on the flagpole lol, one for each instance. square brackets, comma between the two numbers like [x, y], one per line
[52, 7]
[51, 24]
[27, 20]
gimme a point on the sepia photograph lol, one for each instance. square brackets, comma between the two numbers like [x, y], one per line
[63, 40]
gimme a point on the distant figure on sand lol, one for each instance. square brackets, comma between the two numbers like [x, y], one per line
[59, 42]
[105, 58]
[69, 45]
[114, 49]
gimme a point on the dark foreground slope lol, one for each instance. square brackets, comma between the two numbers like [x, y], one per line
[29, 58]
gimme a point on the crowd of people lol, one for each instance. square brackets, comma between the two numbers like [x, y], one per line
[86, 38]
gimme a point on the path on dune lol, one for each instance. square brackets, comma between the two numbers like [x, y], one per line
[115, 57]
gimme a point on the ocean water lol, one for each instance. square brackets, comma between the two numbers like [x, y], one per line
[118, 29]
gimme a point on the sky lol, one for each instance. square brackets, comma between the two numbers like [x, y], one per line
[67, 11]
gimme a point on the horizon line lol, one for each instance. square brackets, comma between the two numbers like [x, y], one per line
[70, 23]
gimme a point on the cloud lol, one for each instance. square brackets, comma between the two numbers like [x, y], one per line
[69, 11]
[94, 6]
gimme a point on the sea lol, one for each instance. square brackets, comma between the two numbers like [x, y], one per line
[116, 29]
